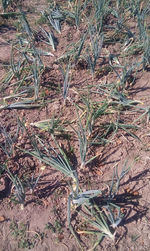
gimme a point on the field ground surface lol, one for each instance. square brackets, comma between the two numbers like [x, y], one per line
[75, 125]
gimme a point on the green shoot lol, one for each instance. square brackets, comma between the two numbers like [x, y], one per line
[114, 188]
[19, 189]
[8, 140]
[66, 83]
[49, 37]
[96, 46]
[52, 158]
[5, 4]
[55, 18]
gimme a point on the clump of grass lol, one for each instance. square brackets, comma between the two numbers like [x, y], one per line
[101, 10]
[75, 200]
[96, 47]
[50, 39]
[52, 125]
[20, 232]
[26, 63]
[50, 157]
[140, 44]
[93, 112]
[5, 4]
[83, 142]
[113, 127]
[83, 132]
[99, 210]
[66, 83]
[42, 20]
[74, 51]
[8, 140]
[7, 146]
[116, 179]
[32, 183]
[19, 192]
[76, 12]
[55, 17]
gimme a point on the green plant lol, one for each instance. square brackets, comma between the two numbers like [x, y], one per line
[20, 233]
[83, 132]
[93, 112]
[116, 179]
[42, 20]
[9, 140]
[50, 39]
[19, 192]
[55, 17]
[96, 47]
[33, 182]
[52, 125]
[66, 83]
[74, 51]
[58, 161]
[7, 146]
[49, 226]
[77, 199]
[5, 4]
[75, 12]
[134, 237]
[100, 212]
[83, 142]
[2, 170]
[101, 9]
[26, 63]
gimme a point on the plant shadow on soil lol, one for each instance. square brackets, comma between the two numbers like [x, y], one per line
[6, 28]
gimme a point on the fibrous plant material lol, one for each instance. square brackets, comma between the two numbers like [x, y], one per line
[50, 38]
[83, 142]
[93, 112]
[93, 53]
[19, 191]
[58, 161]
[9, 140]
[75, 200]
[66, 83]
[98, 208]
[5, 4]
[51, 125]
[55, 17]
[116, 179]
[74, 51]
[83, 133]
[28, 104]
[26, 63]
